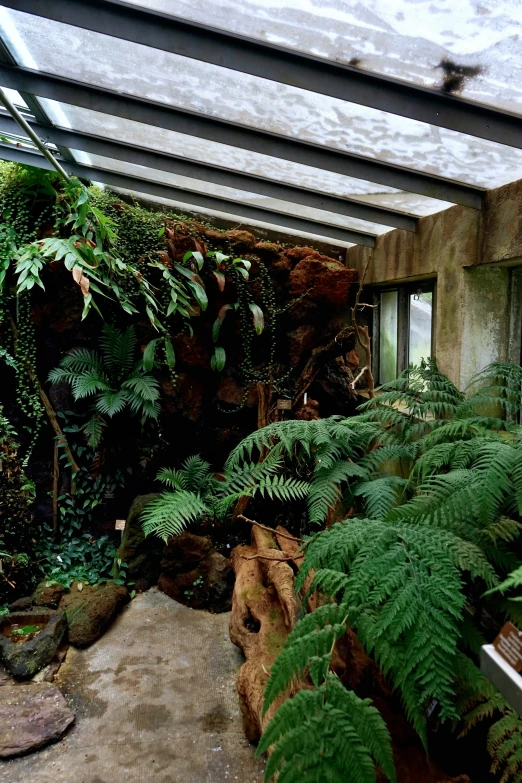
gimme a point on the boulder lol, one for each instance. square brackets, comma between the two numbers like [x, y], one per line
[23, 659]
[193, 351]
[48, 594]
[239, 240]
[141, 553]
[31, 716]
[326, 280]
[268, 250]
[194, 574]
[231, 391]
[91, 610]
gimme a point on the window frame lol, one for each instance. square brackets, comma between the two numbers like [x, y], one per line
[404, 291]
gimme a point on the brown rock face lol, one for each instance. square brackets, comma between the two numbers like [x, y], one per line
[31, 716]
[232, 392]
[327, 280]
[301, 341]
[91, 610]
[194, 574]
[48, 594]
[193, 351]
[268, 250]
[240, 241]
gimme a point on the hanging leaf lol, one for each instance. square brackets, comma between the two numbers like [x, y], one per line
[243, 272]
[259, 318]
[244, 262]
[169, 353]
[220, 277]
[219, 320]
[200, 295]
[220, 257]
[196, 255]
[80, 278]
[149, 353]
[218, 359]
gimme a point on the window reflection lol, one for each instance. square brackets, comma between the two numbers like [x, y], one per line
[388, 337]
[421, 313]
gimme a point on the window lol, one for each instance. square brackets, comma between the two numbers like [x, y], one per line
[403, 328]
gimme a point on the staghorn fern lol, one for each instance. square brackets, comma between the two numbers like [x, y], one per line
[113, 377]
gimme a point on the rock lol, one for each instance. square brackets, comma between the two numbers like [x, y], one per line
[91, 610]
[232, 392]
[194, 351]
[194, 574]
[327, 280]
[21, 605]
[304, 311]
[268, 250]
[185, 397]
[48, 594]
[24, 659]
[241, 241]
[31, 716]
[280, 268]
[300, 343]
[296, 254]
[141, 553]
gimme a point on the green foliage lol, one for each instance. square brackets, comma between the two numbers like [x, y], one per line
[75, 558]
[198, 493]
[440, 477]
[327, 734]
[113, 377]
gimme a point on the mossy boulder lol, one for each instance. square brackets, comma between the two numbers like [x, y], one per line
[48, 594]
[91, 609]
[141, 553]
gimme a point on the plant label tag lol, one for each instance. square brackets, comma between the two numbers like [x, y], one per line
[508, 644]
[120, 524]
[284, 405]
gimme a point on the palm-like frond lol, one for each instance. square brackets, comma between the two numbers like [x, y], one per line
[118, 348]
[171, 513]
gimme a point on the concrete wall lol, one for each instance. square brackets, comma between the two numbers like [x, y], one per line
[471, 255]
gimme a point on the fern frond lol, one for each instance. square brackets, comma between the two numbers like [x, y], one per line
[93, 430]
[170, 514]
[111, 402]
[144, 386]
[176, 479]
[118, 349]
[381, 495]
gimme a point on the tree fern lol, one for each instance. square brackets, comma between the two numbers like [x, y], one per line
[170, 514]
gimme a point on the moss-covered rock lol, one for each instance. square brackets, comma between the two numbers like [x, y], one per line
[141, 554]
[90, 610]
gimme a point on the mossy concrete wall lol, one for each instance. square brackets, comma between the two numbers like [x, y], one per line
[471, 256]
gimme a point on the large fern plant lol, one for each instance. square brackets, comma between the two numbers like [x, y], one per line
[195, 492]
[112, 377]
[434, 500]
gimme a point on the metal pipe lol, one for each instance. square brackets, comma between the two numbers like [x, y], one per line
[17, 117]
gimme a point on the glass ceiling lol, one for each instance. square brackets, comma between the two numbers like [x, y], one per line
[474, 46]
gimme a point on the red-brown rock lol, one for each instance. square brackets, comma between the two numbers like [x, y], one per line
[31, 716]
[185, 397]
[268, 250]
[231, 391]
[327, 280]
[301, 341]
[194, 351]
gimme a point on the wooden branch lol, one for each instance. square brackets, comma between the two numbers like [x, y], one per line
[358, 377]
[56, 476]
[266, 557]
[269, 529]
[362, 332]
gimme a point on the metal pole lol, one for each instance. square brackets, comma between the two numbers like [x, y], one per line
[15, 114]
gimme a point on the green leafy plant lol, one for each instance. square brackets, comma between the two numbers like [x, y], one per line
[198, 493]
[113, 377]
[440, 479]
[76, 558]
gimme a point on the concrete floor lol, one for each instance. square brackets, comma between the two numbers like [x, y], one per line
[155, 700]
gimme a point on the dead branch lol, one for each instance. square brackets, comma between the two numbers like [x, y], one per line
[362, 332]
[358, 377]
[269, 529]
[342, 343]
[266, 557]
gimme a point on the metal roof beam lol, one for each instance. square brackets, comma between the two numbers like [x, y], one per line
[224, 132]
[270, 61]
[224, 177]
[115, 179]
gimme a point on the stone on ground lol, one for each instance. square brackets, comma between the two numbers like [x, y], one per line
[31, 716]
[24, 660]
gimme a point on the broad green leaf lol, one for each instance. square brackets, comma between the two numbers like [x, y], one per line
[149, 353]
[218, 359]
[219, 320]
[259, 318]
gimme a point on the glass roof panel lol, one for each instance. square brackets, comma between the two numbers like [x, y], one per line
[231, 194]
[180, 206]
[470, 47]
[236, 159]
[237, 97]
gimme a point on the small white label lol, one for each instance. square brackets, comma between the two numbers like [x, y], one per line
[120, 524]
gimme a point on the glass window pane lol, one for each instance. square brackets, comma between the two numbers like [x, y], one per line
[388, 337]
[421, 311]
